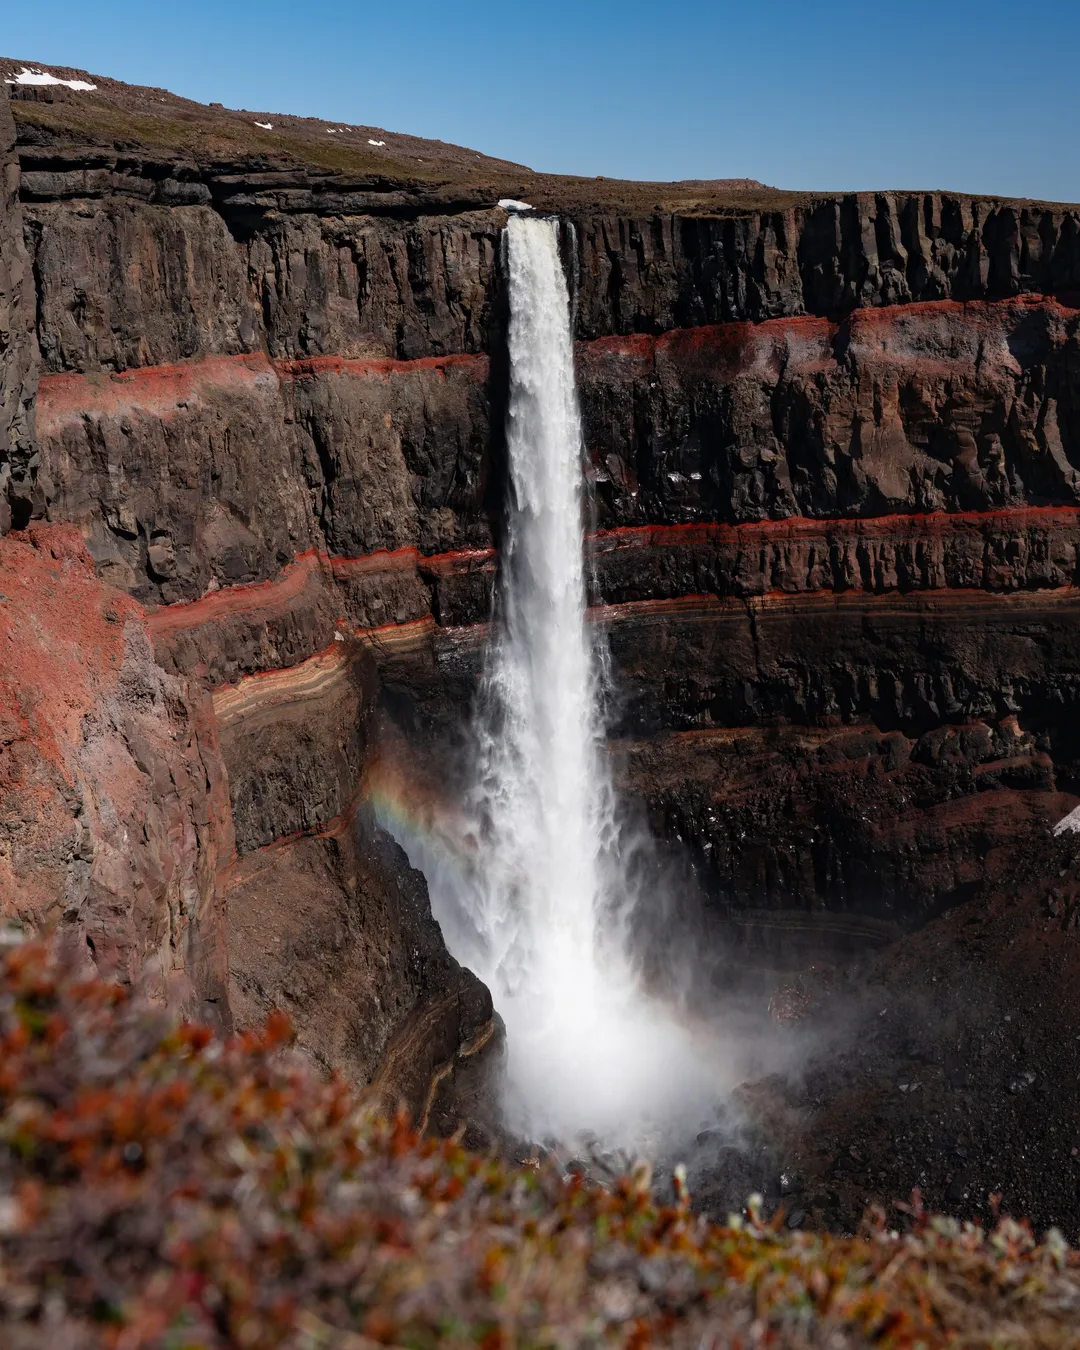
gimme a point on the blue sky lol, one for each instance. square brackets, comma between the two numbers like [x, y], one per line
[973, 95]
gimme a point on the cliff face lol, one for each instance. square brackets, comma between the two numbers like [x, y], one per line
[20, 498]
[280, 420]
[113, 799]
[188, 822]
[835, 452]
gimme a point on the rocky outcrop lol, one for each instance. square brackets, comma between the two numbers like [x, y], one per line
[114, 815]
[335, 928]
[256, 261]
[20, 496]
[248, 874]
[833, 445]
[922, 408]
[832, 508]
[824, 256]
[120, 784]
[221, 471]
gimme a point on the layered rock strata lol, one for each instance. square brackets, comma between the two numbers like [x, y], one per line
[833, 507]
[834, 451]
[114, 809]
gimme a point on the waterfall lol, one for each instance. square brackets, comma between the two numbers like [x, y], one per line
[587, 1048]
[544, 790]
[540, 909]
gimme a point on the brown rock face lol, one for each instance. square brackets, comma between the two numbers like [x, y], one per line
[920, 408]
[186, 479]
[222, 471]
[648, 274]
[20, 498]
[113, 799]
[336, 928]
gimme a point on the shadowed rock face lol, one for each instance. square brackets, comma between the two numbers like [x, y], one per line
[834, 447]
[20, 496]
[222, 471]
[335, 277]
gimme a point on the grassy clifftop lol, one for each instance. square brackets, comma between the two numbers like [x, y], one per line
[160, 1188]
[64, 125]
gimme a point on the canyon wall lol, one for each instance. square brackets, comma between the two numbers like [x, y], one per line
[834, 447]
[196, 826]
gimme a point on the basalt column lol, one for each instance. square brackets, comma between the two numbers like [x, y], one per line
[20, 495]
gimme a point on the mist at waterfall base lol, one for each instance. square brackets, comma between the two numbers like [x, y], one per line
[536, 878]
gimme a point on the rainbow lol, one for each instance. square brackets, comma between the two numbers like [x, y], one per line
[439, 839]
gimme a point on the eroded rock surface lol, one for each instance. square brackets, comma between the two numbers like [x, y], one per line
[114, 812]
[20, 497]
[834, 446]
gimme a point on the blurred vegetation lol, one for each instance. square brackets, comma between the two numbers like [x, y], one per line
[161, 1188]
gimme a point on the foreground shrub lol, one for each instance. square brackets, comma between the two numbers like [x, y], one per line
[161, 1188]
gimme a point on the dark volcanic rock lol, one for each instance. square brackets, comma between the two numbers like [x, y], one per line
[910, 1056]
[339, 933]
[301, 282]
[921, 408]
[302, 286]
[20, 496]
[222, 471]
[823, 256]
[296, 744]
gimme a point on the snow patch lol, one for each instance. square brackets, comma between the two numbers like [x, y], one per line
[1069, 824]
[371, 142]
[30, 76]
[508, 204]
[266, 126]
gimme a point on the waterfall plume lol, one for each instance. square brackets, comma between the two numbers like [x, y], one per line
[540, 909]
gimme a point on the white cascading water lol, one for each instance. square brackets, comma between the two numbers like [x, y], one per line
[543, 920]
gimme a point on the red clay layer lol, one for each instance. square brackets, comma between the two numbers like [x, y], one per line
[280, 590]
[898, 525]
[272, 595]
[237, 869]
[161, 389]
[409, 559]
[341, 365]
[725, 347]
[730, 343]
[166, 389]
[268, 595]
[705, 606]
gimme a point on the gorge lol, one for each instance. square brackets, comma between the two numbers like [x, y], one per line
[253, 467]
